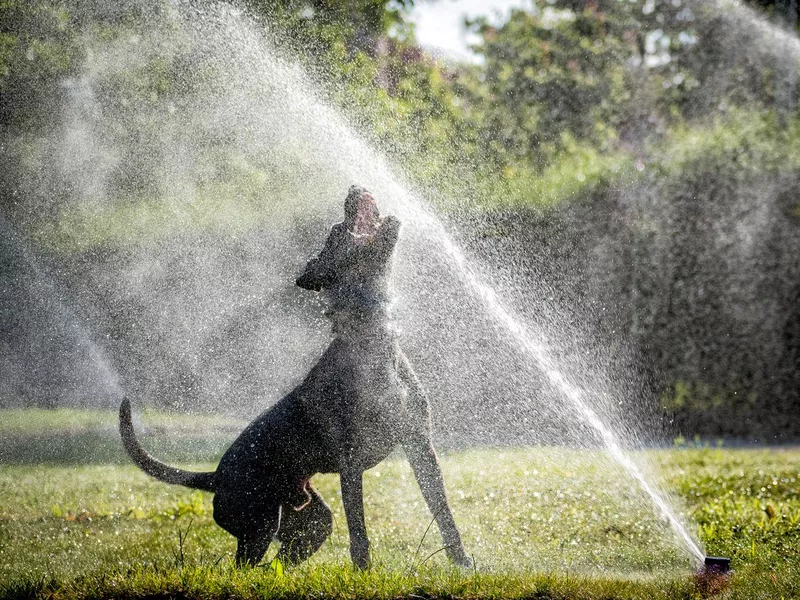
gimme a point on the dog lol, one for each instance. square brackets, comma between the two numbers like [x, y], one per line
[360, 401]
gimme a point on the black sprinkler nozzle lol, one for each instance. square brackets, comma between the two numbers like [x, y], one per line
[713, 578]
[717, 564]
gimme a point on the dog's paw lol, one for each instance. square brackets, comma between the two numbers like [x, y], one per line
[359, 554]
[463, 561]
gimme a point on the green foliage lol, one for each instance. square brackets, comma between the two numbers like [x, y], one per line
[358, 24]
[549, 80]
[38, 48]
[560, 86]
[743, 143]
[612, 77]
[574, 173]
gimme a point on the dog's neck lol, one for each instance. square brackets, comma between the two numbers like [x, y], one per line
[353, 321]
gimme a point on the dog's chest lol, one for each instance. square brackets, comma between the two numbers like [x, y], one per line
[378, 411]
[364, 412]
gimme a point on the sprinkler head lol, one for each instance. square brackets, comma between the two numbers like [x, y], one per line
[718, 565]
[713, 578]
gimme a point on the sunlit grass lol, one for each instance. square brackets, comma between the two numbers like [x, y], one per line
[555, 522]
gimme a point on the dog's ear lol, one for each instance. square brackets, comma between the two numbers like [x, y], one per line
[309, 280]
[351, 203]
[320, 271]
[389, 234]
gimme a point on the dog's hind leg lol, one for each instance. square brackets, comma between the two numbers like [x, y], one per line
[304, 528]
[250, 549]
[254, 534]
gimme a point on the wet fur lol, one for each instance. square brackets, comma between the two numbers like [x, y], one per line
[358, 403]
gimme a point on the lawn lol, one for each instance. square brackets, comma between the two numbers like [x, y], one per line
[539, 522]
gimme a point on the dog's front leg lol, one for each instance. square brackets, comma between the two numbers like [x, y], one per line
[353, 500]
[422, 456]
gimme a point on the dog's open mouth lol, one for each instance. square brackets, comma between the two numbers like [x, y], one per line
[368, 219]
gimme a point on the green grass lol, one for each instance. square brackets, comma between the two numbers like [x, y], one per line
[539, 522]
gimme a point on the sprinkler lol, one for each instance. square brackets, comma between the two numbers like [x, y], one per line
[713, 578]
[717, 565]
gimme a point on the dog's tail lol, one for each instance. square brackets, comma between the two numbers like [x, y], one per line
[153, 466]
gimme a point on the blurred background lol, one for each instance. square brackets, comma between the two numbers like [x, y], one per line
[625, 172]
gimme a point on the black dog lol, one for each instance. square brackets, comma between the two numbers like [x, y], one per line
[356, 405]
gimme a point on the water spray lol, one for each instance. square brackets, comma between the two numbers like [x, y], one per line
[291, 126]
[369, 168]
[541, 355]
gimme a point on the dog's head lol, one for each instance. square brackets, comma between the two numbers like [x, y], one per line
[356, 251]
[361, 215]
